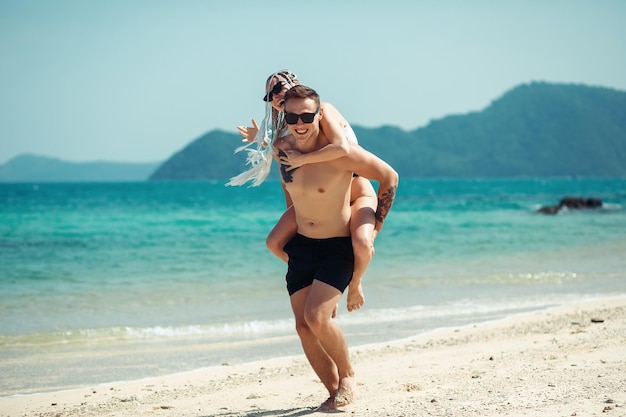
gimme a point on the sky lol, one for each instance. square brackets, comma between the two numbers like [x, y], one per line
[138, 80]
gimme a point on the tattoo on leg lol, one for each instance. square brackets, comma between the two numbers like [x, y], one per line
[384, 204]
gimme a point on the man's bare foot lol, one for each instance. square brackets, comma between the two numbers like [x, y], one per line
[345, 393]
[328, 405]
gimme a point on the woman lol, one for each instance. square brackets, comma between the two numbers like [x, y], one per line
[363, 199]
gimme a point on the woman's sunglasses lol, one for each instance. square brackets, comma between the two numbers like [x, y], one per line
[278, 87]
[292, 118]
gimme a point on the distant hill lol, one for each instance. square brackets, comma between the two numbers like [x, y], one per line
[33, 168]
[536, 129]
[208, 157]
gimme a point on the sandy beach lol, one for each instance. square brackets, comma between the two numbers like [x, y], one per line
[567, 361]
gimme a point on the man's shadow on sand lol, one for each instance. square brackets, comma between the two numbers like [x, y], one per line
[294, 412]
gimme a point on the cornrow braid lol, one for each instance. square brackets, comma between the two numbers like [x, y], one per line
[285, 74]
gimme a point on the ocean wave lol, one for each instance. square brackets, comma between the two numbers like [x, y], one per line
[427, 314]
[155, 333]
[420, 316]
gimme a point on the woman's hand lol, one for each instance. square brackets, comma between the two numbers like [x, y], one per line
[292, 159]
[249, 133]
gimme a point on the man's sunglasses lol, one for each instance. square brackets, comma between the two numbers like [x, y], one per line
[278, 87]
[292, 118]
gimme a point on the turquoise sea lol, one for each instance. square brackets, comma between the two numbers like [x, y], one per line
[102, 282]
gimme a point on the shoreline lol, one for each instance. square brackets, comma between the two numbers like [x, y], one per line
[557, 361]
[62, 367]
[434, 325]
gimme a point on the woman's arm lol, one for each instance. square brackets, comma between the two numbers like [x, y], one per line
[331, 125]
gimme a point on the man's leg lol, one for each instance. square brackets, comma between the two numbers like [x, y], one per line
[319, 304]
[319, 359]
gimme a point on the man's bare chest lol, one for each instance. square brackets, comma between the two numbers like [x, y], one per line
[316, 181]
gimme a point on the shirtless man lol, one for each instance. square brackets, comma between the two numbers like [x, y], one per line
[320, 256]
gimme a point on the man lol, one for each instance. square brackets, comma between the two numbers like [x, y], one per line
[321, 259]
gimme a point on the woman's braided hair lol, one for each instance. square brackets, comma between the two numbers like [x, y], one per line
[259, 151]
[279, 127]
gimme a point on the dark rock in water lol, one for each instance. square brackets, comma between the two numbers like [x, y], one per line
[574, 203]
[549, 209]
[580, 203]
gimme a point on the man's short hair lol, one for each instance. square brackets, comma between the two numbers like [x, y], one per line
[302, 91]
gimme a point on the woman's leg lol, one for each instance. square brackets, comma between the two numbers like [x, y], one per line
[284, 230]
[364, 202]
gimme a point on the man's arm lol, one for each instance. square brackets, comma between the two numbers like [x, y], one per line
[372, 167]
[385, 200]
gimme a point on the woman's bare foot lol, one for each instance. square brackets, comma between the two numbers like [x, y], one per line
[355, 299]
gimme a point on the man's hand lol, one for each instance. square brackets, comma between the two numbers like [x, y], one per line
[355, 297]
[249, 133]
